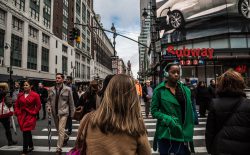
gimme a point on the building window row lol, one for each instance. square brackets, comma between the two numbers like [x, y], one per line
[45, 60]
[34, 9]
[20, 4]
[16, 51]
[33, 32]
[2, 17]
[45, 39]
[64, 65]
[17, 24]
[32, 56]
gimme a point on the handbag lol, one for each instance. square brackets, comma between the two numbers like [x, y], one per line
[80, 144]
[78, 114]
[5, 111]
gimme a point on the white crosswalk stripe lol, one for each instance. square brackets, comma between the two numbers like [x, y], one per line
[150, 125]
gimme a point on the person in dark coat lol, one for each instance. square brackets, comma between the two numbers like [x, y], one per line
[100, 94]
[88, 99]
[147, 93]
[202, 98]
[27, 106]
[228, 122]
[43, 97]
[212, 88]
[69, 83]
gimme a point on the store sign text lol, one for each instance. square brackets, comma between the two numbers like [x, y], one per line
[194, 52]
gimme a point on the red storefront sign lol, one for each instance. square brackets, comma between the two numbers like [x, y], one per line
[194, 52]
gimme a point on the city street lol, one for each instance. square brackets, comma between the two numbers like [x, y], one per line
[40, 138]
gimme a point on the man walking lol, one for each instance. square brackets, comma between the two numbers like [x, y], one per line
[60, 104]
[43, 97]
[147, 93]
[69, 81]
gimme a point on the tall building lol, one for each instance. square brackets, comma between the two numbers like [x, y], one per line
[102, 49]
[144, 38]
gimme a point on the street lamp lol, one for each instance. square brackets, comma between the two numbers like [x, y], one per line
[9, 69]
[114, 36]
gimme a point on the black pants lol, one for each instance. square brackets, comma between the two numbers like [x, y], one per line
[44, 109]
[27, 140]
[147, 108]
[69, 124]
[6, 124]
[203, 108]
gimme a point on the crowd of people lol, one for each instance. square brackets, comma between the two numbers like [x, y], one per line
[112, 122]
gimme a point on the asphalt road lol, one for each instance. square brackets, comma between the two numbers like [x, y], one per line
[40, 138]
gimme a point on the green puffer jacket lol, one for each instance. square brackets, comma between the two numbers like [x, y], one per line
[166, 109]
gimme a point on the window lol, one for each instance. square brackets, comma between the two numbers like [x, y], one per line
[45, 39]
[78, 9]
[88, 61]
[20, 4]
[46, 22]
[1, 43]
[83, 12]
[56, 59]
[64, 65]
[88, 16]
[45, 60]
[64, 49]
[17, 24]
[66, 2]
[32, 56]
[77, 56]
[34, 9]
[56, 43]
[83, 71]
[88, 72]
[33, 32]
[2, 17]
[77, 69]
[83, 58]
[16, 50]
[64, 37]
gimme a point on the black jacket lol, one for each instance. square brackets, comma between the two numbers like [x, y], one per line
[228, 126]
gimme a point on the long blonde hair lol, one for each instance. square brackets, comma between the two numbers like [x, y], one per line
[120, 111]
[4, 86]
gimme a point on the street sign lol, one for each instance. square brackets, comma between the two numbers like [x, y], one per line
[114, 64]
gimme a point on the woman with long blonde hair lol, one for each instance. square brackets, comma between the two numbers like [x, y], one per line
[117, 127]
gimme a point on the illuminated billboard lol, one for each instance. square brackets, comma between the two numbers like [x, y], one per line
[190, 19]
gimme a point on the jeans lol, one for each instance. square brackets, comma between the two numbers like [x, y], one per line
[170, 147]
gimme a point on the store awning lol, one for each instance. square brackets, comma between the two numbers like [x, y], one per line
[5, 77]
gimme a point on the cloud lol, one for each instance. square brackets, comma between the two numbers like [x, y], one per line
[125, 14]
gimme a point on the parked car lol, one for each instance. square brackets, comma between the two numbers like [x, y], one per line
[178, 12]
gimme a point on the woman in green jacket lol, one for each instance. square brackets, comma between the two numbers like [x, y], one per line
[172, 107]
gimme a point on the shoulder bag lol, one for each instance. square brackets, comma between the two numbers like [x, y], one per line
[80, 144]
[5, 111]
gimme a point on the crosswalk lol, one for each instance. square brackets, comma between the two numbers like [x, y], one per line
[40, 138]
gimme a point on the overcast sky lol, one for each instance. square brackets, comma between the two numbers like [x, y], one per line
[125, 15]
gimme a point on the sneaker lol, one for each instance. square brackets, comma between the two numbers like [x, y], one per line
[65, 142]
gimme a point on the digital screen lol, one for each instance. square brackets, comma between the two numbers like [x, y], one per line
[191, 19]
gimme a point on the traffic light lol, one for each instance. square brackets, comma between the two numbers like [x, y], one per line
[74, 34]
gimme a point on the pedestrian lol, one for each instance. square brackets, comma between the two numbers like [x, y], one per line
[43, 97]
[117, 126]
[193, 99]
[27, 106]
[100, 94]
[202, 98]
[15, 93]
[147, 93]
[5, 118]
[69, 83]
[212, 89]
[227, 128]
[138, 88]
[172, 107]
[88, 99]
[80, 91]
[60, 104]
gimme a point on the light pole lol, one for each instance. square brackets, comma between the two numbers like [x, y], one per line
[9, 69]
[114, 36]
[153, 34]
